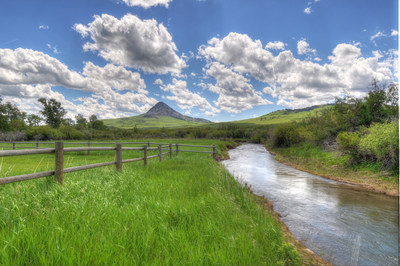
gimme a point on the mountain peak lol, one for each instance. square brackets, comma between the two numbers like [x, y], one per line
[162, 109]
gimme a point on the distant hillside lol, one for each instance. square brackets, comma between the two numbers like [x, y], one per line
[284, 116]
[160, 115]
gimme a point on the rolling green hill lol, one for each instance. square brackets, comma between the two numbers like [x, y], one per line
[147, 122]
[284, 116]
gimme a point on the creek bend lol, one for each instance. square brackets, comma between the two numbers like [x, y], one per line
[342, 223]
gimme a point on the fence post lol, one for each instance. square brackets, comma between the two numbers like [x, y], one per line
[37, 144]
[176, 145]
[170, 150]
[148, 144]
[13, 145]
[118, 157]
[214, 151]
[145, 154]
[88, 144]
[59, 162]
[160, 152]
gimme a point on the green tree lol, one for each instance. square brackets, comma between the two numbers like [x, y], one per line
[81, 122]
[4, 126]
[52, 111]
[96, 124]
[34, 120]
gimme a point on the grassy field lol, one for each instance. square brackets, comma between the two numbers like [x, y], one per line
[283, 116]
[184, 210]
[141, 122]
[333, 165]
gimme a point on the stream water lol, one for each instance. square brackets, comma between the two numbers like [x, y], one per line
[344, 224]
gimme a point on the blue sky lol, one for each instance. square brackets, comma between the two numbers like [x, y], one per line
[217, 59]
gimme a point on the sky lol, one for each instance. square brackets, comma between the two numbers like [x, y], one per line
[221, 60]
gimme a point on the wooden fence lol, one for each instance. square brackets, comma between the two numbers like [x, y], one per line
[59, 150]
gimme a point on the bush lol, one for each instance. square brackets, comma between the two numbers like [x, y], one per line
[43, 133]
[71, 133]
[348, 143]
[382, 143]
[286, 135]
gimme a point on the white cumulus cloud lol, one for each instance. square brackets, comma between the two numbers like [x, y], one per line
[235, 92]
[26, 75]
[186, 99]
[303, 48]
[295, 82]
[147, 3]
[275, 46]
[132, 42]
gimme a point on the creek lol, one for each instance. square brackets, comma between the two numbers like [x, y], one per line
[344, 224]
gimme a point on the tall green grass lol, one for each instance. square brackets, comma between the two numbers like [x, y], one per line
[184, 210]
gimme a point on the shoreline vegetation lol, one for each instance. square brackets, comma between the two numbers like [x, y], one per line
[322, 163]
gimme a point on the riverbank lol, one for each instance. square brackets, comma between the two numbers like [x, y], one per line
[330, 164]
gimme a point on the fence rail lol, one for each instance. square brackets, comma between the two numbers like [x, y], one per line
[59, 150]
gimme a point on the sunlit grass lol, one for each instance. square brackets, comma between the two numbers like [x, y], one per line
[184, 210]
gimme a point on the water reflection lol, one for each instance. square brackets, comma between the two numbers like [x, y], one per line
[342, 223]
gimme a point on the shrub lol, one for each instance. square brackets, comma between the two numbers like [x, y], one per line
[382, 143]
[348, 143]
[43, 133]
[286, 135]
[71, 133]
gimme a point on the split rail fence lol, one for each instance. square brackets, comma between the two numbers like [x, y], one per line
[59, 150]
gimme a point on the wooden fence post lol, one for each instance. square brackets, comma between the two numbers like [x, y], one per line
[37, 144]
[13, 145]
[170, 150]
[145, 155]
[160, 152]
[59, 162]
[118, 157]
[148, 144]
[176, 145]
[214, 151]
[88, 144]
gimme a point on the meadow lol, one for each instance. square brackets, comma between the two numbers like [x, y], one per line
[184, 210]
[141, 122]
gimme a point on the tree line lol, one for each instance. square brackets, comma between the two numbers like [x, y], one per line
[50, 124]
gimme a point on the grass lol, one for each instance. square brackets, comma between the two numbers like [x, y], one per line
[283, 116]
[142, 122]
[332, 164]
[184, 210]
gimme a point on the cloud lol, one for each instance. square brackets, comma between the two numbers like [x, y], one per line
[186, 99]
[26, 75]
[377, 35]
[268, 90]
[275, 46]
[295, 82]
[308, 10]
[235, 92]
[394, 33]
[132, 42]
[147, 3]
[44, 27]
[53, 48]
[158, 82]
[242, 53]
[26, 66]
[303, 48]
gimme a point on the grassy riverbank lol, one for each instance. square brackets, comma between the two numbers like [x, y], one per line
[331, 164]
[184, 210]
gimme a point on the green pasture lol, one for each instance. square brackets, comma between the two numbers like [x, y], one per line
[282, 116]
[186, 210]
[144, 122]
